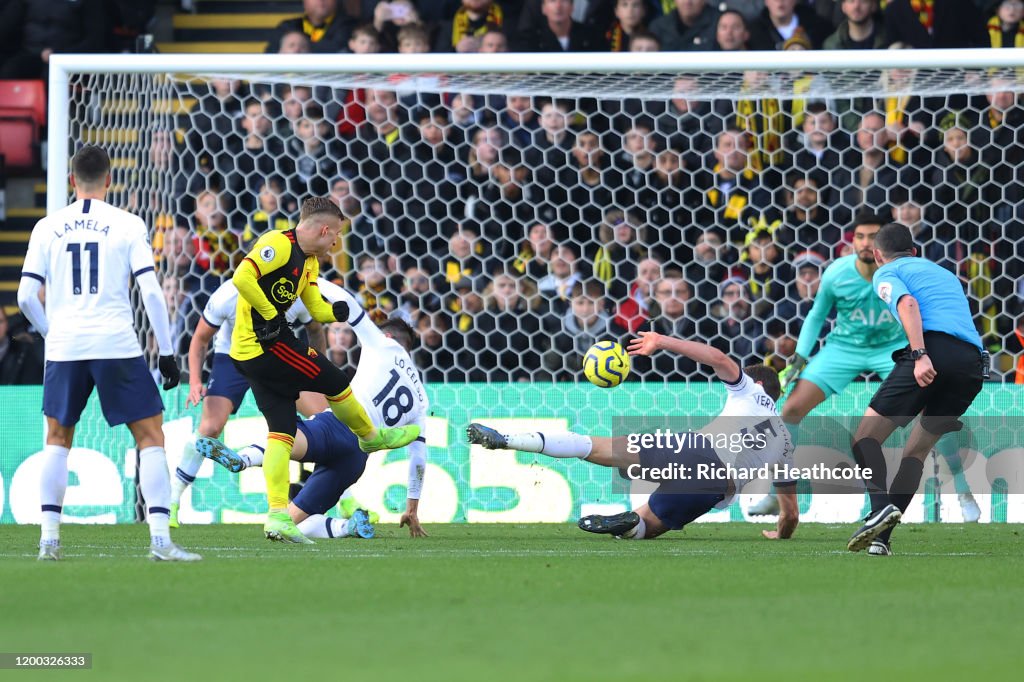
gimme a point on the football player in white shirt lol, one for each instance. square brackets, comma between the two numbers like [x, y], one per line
[86, 255]
[227, 387]
[751, 401]
[391, 388]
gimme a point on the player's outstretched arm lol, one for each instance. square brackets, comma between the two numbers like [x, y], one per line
[417, 467]
[196, 357]
[649, 343]
[789, 513]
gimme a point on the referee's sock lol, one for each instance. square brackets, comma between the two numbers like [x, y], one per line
[904, 487]
[867, 452]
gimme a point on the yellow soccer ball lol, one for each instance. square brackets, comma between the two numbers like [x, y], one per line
[606, 364]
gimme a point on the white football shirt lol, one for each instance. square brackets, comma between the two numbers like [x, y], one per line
[85, 254]
[220, 313]
[750, 410]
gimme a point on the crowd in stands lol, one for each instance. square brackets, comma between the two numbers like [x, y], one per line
[514, 231]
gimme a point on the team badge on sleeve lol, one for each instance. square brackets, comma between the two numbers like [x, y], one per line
[885, 292]
[267, 253]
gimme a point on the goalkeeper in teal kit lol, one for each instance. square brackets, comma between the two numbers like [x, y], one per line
[863, 339]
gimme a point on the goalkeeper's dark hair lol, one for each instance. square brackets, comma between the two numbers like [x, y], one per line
[768, 378]
[91, 165]
[400, 331]
[866, 218]
[320, 206]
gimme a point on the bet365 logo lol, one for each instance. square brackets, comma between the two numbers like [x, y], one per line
[282, 291]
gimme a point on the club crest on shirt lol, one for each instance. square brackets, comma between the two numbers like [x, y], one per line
[282, 291]
[885, 292]
[267, 253]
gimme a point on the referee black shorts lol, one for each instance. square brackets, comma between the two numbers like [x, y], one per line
[280, 373]
[958, 379]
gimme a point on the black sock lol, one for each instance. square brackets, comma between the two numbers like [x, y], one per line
[867, 452]
[904, 486]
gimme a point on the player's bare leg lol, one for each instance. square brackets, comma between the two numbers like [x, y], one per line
[804, 397]
[216, 411]
[608, 452]
[53, 483]
[155, 483]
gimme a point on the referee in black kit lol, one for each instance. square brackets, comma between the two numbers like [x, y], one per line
[937, 376]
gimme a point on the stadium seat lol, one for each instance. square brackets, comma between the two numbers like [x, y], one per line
[22, 115]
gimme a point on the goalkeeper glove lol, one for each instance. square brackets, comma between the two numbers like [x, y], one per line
[790, 374]
[340, 309]
[169, 370]
[269, 333]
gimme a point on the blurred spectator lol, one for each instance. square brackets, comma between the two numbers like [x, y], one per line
[535, 253]
[733, 190]
[519, 120]
[358, 235]
[435, 356]
[730, 328]
[557, 32]
[556, 287]
[493, 40]
[551, 144]
[505, 204]
[328, 29]
[389, 17]
[618, 253]
[466, 30]
[779, 345]
[309, 154]
[21, 353]
[935, 24]
[635, 310]
[293, 100]
[670, 317]
[217, 247]
[256, 151]
[373, 292]
[462, 264]
[48, 27]
[644, 41]
[861, 29]
[710, 265]
[731, 32]
[510, 328]
[816, 149]
[690, 124]
[909, 212]
[294, 42]
[630, 17]
[365, 40]
[583, 324]
[874, 172]
[270, 215]
[806, 225]
[413, 39]
[691, 27]
[585, 187]
[341, 345]
[417, 299]
[1006, 28]
[781, 20]
[808, 266]
[767, 276]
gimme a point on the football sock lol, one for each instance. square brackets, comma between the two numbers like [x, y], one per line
[187, 469]
[53, 483]
[155, 482]
[252, 455]
[351, 413]
[565, 444]
[275, 468]
[636, 532]
[904, 486]
[320, 526]
[949, 447]
[867, 452]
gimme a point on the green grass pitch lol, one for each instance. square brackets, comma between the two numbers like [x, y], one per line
[525, 602]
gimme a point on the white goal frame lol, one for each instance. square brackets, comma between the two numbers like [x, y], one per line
[62, 66]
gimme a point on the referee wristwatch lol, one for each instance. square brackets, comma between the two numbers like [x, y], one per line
[918, 353]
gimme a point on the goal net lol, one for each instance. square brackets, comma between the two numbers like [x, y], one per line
[516, 210]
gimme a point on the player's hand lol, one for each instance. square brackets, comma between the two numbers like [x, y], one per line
[647, 343]
[791, 373]
[771, 534]
[340, 309]
[196, 393]
[169, 369]
[412, 520]
[269, 333]
[923, 371]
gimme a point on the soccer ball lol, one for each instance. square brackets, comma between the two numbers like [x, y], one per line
[606, 364]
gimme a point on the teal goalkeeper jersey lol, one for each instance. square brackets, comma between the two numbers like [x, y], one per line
[862, 318]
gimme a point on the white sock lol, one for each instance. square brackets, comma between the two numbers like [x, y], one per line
[154, 480]
[320, 526]
[252, 455]
[53, 483]
[636, 532]
[187, 469]
[565, 444]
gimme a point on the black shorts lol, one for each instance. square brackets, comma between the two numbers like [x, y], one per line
[280, 373]
[958, 379]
